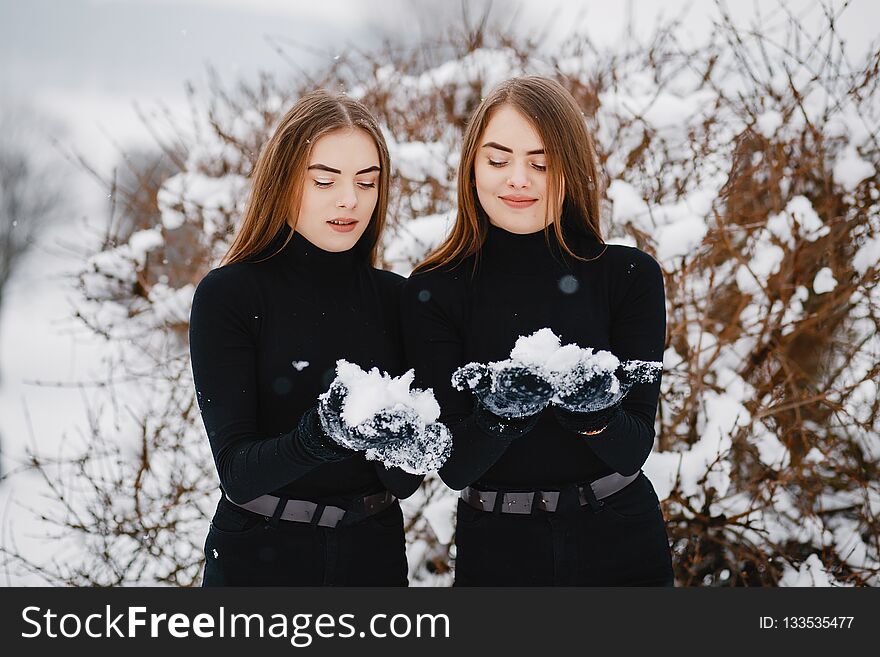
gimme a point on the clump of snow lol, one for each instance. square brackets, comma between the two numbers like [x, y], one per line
[824, 281]
[681, 238]
[417, 160]
[543, 351]
[300, 365]
[172, 305]
[375, 391]
[566, 358]
[194, 196]
[867, 256]
[768, 123]
[535, 349]
[814, 456]
[413, 239]
[440, 514]
[142, 242]
[850, 169]
[677, 227]
[642, 371]
[765, 262]
[109, 275]
[799, 218]
[810, 573]
[628, 204]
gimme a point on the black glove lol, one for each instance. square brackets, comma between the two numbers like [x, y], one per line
[388, 426]
[583, 390]
[330, 406]
[425, 450]
[315, 440]
[586, 401]
[510, 391]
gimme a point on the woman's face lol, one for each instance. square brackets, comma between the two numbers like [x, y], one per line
[510, 172]
[340, 190]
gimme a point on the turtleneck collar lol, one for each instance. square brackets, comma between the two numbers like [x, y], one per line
[317, 264]
[536, 252]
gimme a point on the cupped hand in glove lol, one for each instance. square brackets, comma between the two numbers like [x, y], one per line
[385, 427]
[583, 389]
[427, 450]
[388, 427]
[506, 389]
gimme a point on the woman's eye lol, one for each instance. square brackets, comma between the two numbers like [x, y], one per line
[496, 163]
[367, 185]
[539, 167]
[323, 183]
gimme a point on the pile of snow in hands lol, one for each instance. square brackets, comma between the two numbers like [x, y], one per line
[370, 394]
[565, 366]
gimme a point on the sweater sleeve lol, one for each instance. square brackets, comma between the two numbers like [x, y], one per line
[638, 331]
[222, 336]
[433, 316]
[402, 484]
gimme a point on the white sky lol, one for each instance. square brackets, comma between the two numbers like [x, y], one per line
[86, 61]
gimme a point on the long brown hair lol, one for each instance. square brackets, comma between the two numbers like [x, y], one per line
[278, 177]
[573, 179]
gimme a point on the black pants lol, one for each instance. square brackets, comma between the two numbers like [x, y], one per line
[622, 543]
[243, 549]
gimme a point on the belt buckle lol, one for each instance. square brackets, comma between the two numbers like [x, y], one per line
[587, 497]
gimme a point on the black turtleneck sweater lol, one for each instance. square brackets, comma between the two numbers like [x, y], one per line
[264, 340]
[459, 314]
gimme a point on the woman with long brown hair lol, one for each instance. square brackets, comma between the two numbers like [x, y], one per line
[296, 292]
[548, 460]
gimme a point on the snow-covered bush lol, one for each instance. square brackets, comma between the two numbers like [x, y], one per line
[747, 166]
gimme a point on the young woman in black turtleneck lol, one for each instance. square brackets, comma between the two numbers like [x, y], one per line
[551, 495]
[297, 291]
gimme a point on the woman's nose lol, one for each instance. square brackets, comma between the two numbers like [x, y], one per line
[519, 175]
[348, 198]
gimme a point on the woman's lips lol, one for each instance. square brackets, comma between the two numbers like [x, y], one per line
[518, 202]
[342, 225]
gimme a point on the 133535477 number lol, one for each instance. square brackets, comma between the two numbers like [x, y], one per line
[817, 622]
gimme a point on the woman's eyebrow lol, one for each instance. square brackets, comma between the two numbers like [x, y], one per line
[497, 146]
[324, 167]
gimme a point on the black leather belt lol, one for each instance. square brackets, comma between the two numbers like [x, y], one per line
[544, 500]
[323, 515]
